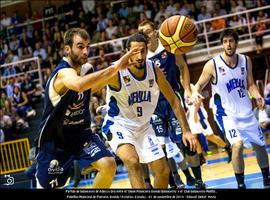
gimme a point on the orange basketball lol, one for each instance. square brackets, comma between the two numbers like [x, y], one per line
[178, 34]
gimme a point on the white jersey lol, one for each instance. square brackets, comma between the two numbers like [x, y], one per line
[133, 105]
[230, 89]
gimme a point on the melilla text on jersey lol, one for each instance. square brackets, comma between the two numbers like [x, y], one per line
[235, 83]
[138, 97]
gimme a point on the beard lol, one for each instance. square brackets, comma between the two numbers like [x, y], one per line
[76, 60]
[139, 66]
[230, 54]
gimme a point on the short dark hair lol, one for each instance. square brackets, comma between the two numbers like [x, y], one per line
[227, 33]
[145, 22]
[136, 37]
[70, 33]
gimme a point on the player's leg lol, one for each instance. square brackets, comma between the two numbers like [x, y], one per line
[234, 137]
[191, 157]
[128, 154]
[96, 155]
[190, 179]
[159, 123]
[146, 175]
[161, 171]
[106, 169]
[218, 141]
[263, 162]
[177, 179]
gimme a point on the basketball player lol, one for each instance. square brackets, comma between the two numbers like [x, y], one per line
[199, 124]
[231, 80]
[165, 123]
[132, 97]
[65, 133]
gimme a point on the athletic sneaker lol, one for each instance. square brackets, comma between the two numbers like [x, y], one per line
[191, 181]
[242, 186]
[266, 183]
[200, 184]
[202, 159]
[148, 185]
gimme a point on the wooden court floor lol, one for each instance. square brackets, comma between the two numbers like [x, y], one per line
[217, 173]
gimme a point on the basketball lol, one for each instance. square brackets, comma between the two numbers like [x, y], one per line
[178, 34]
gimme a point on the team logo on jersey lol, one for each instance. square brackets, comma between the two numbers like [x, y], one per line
[151, 83]
[221, 70]
[126, 79]
[79, 102]
[164, 55]
[242, 70]
[54, 168]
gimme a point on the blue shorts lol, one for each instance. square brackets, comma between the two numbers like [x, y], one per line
[53, 169]
[165, 123]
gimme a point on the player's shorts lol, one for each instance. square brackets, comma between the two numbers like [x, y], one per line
[245, 129]
[53, 168]
[165, 123]
[171, 149]
[202, 126]
[146, 143]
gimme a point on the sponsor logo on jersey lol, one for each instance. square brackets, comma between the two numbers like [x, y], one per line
[54, 168]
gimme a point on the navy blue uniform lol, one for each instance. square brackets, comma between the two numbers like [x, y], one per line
[165, 122]
[65, 134]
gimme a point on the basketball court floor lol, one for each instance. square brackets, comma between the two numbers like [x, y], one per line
[217, 173]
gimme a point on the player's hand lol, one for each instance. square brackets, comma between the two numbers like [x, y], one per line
[195, 97]
[100, 109]
[196, 118]
[190, 141]
[124, 62]
[260, 101]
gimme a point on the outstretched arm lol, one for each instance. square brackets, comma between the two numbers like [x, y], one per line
[178, 110]
[208, 73]
[184, 74]
[70, 80]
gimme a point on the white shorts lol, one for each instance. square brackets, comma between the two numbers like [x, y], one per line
[145, 143]
[200, 127]
[245, 129]
[171, 149]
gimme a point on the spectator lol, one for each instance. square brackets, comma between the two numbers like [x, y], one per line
[25, 42]
[123, 11]
[38, 25]
[21, 103]
[260, 28]
[220, 11]
[116, 44]
[5, 21]
[5, 103]
[15, 20]
[11, 69]
[218, 25]
[5, 122]
[236, 8]
[3, 51]
[262, 113]
[203, 15]
[161, 12]
[171, 8]
[111, 29]
[2, 136]
[40, 51]
[25, 53]
[49, 10]
[237, 24]
[14, 43]
[30, 89]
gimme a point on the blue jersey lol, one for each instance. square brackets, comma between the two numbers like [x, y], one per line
[64, 117]
[166, 62]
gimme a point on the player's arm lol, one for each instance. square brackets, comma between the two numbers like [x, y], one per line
[177, 108]
[184, 74]
[252, 88]
[196, 110]
[208, 73]
[72, 81]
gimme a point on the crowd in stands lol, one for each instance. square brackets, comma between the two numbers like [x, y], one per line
[104, 21]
